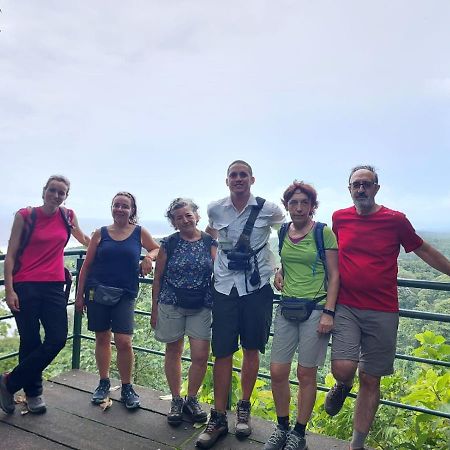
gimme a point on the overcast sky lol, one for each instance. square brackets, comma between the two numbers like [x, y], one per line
[157, 97]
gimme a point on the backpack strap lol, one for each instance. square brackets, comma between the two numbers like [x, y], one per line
[29, 222]
[282, 234]
[318, 238]
[67, 218]
[244, 239]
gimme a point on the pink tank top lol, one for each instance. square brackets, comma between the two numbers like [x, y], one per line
[43, 257]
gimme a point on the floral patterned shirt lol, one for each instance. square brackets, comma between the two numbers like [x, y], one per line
[190, 266]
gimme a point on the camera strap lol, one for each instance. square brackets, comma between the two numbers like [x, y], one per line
[244, 239]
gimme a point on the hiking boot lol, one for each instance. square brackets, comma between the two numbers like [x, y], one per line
[277, 439]
[129, 397]
[243, 426]
[6, 398]
[175, 416]
[335, 398]
[101, 393]
[36, 405]
[295, 442]
[216, 427]
[192, 408]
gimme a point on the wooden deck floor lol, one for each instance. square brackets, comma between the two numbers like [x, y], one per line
[71, 421]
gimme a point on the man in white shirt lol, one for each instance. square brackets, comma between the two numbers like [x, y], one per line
[243, 297]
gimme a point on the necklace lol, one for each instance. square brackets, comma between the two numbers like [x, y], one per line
[299, 234]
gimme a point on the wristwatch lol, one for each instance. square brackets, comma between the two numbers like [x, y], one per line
[329, 312]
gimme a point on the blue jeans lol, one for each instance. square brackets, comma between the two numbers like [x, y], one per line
[40, 303]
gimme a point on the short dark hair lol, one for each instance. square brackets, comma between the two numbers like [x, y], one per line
[240, 161]
[364, 167]
[304, 188]
[133, 216]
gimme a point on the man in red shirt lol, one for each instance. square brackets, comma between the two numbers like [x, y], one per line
[365, 328]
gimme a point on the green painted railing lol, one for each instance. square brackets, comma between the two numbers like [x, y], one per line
[77, 336]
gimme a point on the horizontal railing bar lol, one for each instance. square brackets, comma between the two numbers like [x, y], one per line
[9, 355]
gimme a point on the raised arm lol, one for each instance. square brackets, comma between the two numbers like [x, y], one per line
[90, 256]
[82, 238]
[152, 248]
[212, 232]
[433, 258]
[12, 300]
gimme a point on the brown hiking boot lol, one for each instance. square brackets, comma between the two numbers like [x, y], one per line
[335, 398]
[217, 426]
[243, 426]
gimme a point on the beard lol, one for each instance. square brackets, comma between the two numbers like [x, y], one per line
[364, 203]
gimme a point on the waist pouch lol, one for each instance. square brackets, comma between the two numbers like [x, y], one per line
[190, 298]
[299, 309]
[107, 295]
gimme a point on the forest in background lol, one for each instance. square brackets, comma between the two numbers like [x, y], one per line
[413, 383]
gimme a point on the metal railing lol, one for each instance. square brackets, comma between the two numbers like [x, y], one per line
[77, 336]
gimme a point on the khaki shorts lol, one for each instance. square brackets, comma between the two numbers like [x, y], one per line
[290, 336]
[173, 323]
[367, 336]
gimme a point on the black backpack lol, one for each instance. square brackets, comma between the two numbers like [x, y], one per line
[318, 238]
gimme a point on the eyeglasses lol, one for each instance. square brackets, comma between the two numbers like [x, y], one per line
[355, 185]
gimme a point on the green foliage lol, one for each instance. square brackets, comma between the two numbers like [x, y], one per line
[395, 428]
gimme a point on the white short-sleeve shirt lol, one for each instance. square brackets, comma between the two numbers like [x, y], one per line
[229, 223]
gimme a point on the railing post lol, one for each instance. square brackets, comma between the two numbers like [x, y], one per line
[77, 319]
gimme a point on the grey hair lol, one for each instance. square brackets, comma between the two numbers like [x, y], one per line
[364, 167]
[177, 203]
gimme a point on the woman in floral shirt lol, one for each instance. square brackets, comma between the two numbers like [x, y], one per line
[181, 304]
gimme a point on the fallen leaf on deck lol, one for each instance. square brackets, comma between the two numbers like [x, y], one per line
[165, 397]
[107, 403]
[114, 388]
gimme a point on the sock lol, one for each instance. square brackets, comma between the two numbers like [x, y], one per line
[358, 439]
[283, 422]
[300, 429]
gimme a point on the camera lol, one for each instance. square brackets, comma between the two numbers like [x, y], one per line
[239, 260]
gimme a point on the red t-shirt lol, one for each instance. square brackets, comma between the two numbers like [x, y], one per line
[43, 257]
[368, 252]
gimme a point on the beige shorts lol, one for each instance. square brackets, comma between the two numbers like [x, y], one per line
[290, 336]
[367, 336]
[174, 322]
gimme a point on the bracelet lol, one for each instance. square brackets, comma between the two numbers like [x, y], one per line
[329, 312]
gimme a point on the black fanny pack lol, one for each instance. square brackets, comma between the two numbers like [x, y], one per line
[299, 309]
[190, 298]
[107, 295]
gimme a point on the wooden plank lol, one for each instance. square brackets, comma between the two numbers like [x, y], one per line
[62, 423]
[151, 402]
[18, 439]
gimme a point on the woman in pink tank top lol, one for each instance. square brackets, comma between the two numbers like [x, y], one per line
[34, 287]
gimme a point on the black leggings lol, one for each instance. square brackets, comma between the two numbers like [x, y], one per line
[40, 303]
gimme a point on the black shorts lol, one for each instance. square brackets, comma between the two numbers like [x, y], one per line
[118, 318]
[248, 317]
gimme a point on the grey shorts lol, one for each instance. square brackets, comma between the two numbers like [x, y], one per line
[174, 322]
[118, 318]
[290, 336]
[367, 336]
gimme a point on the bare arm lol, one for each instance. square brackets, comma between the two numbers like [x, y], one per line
[212, 232]
[82, 238]
[152, 248]
[90, 256]
[161, 262]
[326, 321]
[12, 300]
[433, 258]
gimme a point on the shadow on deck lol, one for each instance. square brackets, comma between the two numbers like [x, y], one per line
[71, 421]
